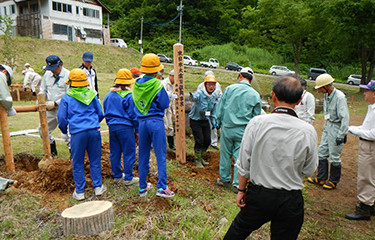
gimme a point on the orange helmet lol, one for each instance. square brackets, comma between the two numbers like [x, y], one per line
[210, 79]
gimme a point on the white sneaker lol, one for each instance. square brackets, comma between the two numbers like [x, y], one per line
[120, 179]
[130, 182]
[78, 196]
[100, 190]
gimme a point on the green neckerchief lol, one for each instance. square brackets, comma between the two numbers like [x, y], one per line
[144, 94]
[123, 93]
[82, 94]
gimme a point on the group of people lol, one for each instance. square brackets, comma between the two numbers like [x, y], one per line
[271, 152]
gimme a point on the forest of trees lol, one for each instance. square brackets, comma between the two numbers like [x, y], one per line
[332, 33]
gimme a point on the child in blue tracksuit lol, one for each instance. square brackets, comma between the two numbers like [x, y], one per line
[203, 110]
[121, 120]
[80, 110]
[150, 100]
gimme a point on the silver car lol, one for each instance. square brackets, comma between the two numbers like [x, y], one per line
[354, 79]
[280, 70]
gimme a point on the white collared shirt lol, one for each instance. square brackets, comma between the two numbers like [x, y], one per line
[367, 129]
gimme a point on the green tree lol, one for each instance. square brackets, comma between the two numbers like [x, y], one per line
[6, 27]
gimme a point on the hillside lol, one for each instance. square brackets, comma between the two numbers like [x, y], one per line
[107, 59]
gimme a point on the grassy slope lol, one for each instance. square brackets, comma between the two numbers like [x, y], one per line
[189, 217]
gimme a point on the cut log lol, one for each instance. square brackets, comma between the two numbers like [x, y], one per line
[88, 218]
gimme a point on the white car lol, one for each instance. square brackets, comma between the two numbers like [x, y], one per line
[118, 42]
[280, 70]
[190, 61]
[354, 79]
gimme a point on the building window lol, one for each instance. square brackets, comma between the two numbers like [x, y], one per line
[88, 12]
[77, 10]
[61, 7]
[13, 9]
[93, 33]
[60, 29]
[5, 11]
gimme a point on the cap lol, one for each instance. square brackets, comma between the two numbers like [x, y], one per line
[77, 78]
[27, 64]
[87, 57]
[23, 71]
[124, 76]
[369, 86]
[151, 63]
[247, 70]
[209, 72]
[135, 71]
[53, 62]
[44, 67]
[171, 72]
[9, 71]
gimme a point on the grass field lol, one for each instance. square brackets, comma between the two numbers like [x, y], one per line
[200, 210]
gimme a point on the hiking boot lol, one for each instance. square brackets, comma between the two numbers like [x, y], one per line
[143, 191]
[120, 179]
[78, 196]
[329, 185]
[222, 184]
[53, 149]
[316, 181]
[131, 182]
[362, 212]
[171, 142]
[372, 210]
[100, 190]
[165, 193]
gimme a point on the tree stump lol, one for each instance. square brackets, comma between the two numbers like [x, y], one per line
[88, 218]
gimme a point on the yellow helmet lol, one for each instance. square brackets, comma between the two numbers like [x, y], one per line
[77, 78]
[323, 80]
[124, 76]
[151, 63]
[210, 79]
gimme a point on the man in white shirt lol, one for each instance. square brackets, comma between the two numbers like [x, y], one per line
[276, 151]
[366, 159]
[31, 79]
[168, 84]
[86, 66]
[28, 68]
[54, 87]
[306, 108]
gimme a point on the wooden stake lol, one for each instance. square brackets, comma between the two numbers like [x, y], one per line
[8, 152]
[88, 218]
[44, 126]
[178, 60]
[352, 100]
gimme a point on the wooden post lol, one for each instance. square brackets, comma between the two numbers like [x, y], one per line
[31, 108]
[44, 126]
[178, 60]
[8, 152]
[352, 100]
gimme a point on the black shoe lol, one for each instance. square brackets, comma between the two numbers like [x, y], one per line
[362, 212]
[372, 211]
[215, 147]
[171, 142]
[234, 189]
[53, 149]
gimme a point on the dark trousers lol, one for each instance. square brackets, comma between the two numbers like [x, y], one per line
[202, 134]
[283, 208]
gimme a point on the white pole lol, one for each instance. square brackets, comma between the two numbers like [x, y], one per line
[180, 9]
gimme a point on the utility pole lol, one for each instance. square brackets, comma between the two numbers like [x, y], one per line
[140, 40]
[179, 8]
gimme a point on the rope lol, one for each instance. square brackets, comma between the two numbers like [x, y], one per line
[161, 24]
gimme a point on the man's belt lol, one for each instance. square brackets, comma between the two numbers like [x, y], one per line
[365, 140]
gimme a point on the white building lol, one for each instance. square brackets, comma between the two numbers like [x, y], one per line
[69, 20]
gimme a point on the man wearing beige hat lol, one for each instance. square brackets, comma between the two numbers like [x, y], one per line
[151, 100]
[168, 84]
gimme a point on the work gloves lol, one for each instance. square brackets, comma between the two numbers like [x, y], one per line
[50, 105]
[340, 141]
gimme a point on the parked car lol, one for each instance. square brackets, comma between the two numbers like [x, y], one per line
[164, 58]
[280, 70]
[233, 66]
[190, 61]
[118, 42]
[315, 72]
[354, 79]
[212, 63]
